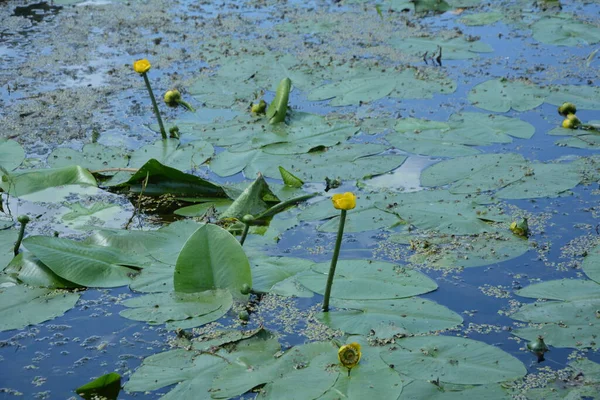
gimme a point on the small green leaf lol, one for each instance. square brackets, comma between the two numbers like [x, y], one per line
[106, 387]
[278, 107]
[289, 179]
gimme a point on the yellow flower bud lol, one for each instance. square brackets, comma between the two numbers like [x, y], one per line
[172, 98]
[346, 201]
[349, 355]
[141, 66]
[566, 109]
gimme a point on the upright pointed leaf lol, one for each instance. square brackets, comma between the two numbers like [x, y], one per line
[278, 107]
[211, 259]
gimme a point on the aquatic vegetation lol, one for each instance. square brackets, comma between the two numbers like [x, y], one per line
[142, 67]
[342, 202]
[173, 99]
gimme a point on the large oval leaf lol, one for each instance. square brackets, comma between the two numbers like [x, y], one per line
[211, 259]
[84, 264]
[21, 306]
[453, 360]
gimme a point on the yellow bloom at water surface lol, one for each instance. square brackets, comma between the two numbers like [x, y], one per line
[346, 201]
[141, 66]
[349, 355]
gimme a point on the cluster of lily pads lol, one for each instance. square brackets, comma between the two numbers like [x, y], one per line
[195, 271]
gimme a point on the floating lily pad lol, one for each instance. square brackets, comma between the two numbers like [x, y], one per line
[476, 173]
[388, 318]
[361, 279]
[363, 220]
[480, 19]
[8, 237]
[188, 309]
[369, 86]
[563, 30]
[457, 48]
[302, 372]
[154, 278]
[453, 360]
[212, 258]
[591, 264]
[476, 251]
[172, 153]
[543, 180]
[277, 275]
[440, 211]
[11, 154]
[93, 156]
[500, 95]
[28, 269]
[353, 161]
[22, 183]
[84, 264]
[586, 97]
[570, 322]
[21, 306]
[420, 389]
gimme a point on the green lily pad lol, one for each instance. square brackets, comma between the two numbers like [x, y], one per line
[476, 173]
[544, 180]
[480, 19]
[277, 275]
[212, 258]
[584, 96]
[562, 289]
[453, 360]
[172, 153]
[369, 86]
[28, 269]
[85, 264]
[440, 210]
[107, 386]
[8, 237]
[429, 390]
[475, 251]
[11, 154]
[591, 264]
[388, 318]
[352, 161]
[563, 30]
[302, 372]
[571, 322]
[21, 306]
[500, 95]
[154, 278]
[189, 309]
[22, 183]
[93, 156]
[254, 200]
[363, 220]
[362, 279]
[581, 142]
[457, 48]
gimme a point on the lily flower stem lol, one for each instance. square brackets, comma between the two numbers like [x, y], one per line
[244, 233]
[186, 105]
[336, 253]
[160, 123]
[20, 238]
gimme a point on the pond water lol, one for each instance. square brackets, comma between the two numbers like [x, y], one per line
[393, 109]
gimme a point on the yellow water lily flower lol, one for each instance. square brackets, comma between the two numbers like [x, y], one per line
[349, 355]
[346, 201]
[141, 66]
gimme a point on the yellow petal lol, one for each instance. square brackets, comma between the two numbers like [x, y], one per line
[141, 66]
[349, 355]
[346, 201]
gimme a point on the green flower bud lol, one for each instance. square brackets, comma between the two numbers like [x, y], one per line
[23, 219]
[244, 316]
[259, 108]
[246, 289]
[248, 218]
[172, 98]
